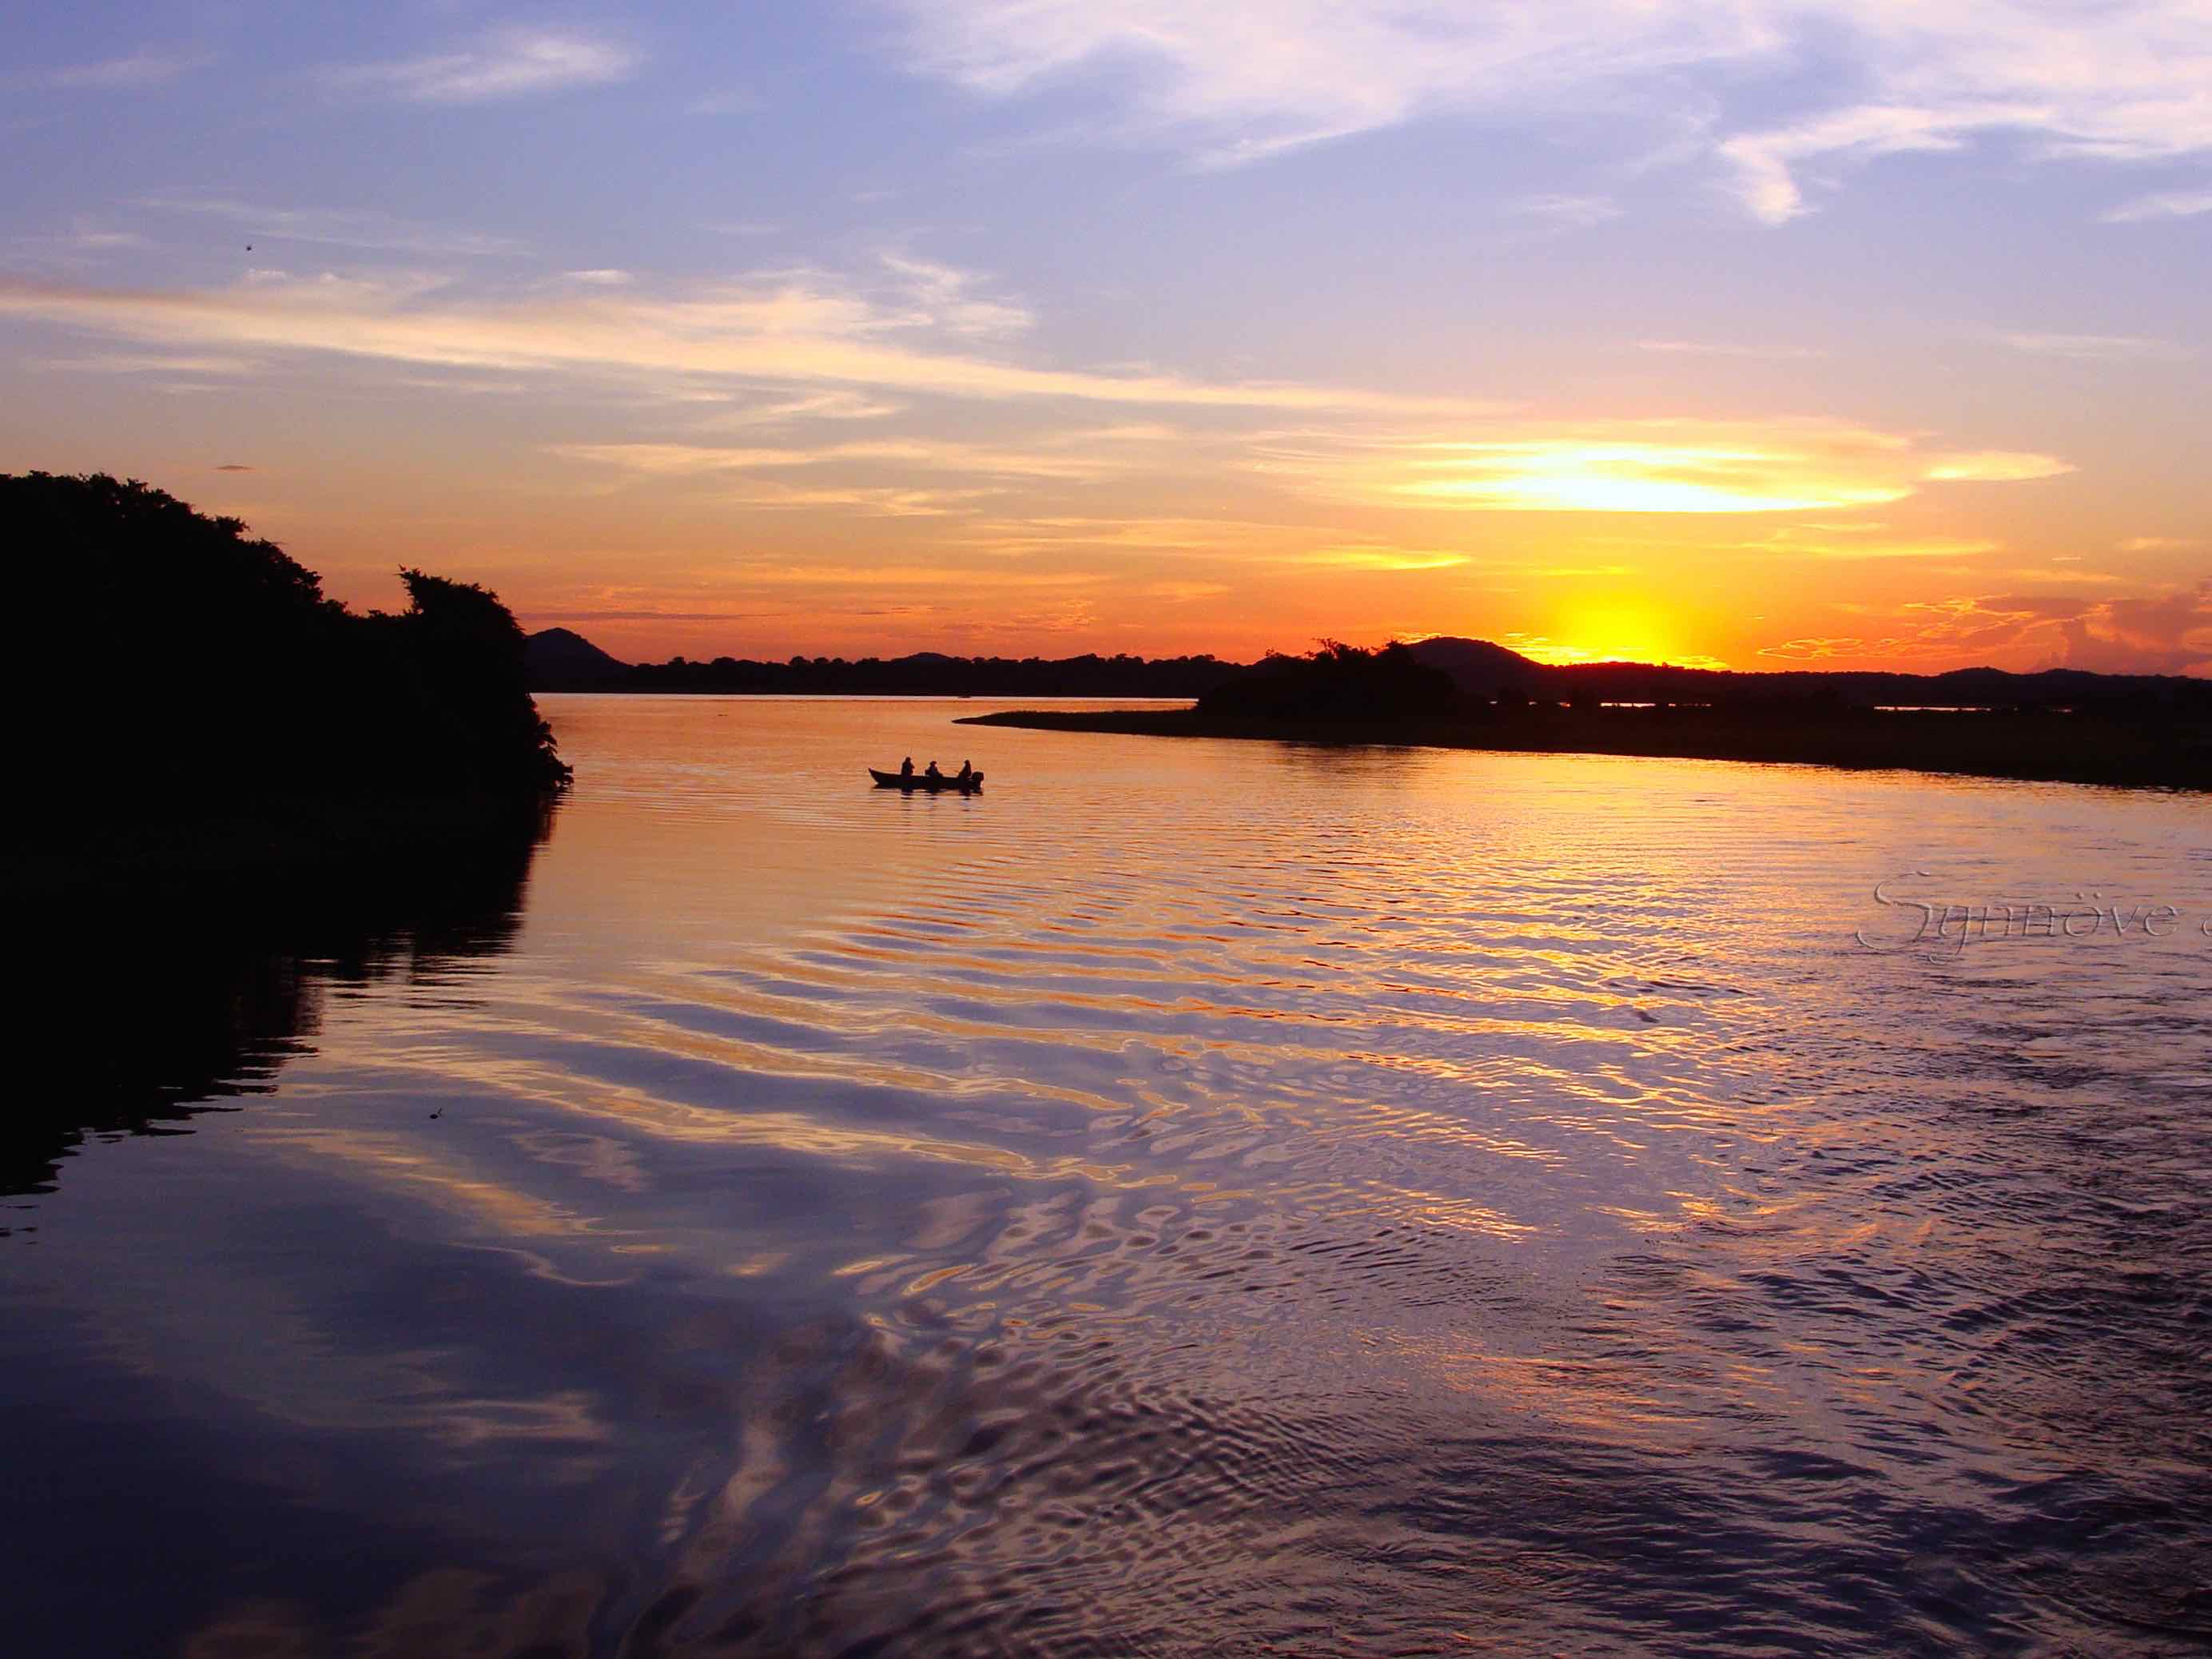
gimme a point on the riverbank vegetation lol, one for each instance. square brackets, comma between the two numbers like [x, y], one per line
[188, 700]
[561, 660]
[1341, 695]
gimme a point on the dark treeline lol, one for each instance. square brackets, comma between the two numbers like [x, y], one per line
[227, 693]
[562, 661]
[1462, 674]
[1447, 676]
[1491, 673]
[2108, 729]
[1337, 682]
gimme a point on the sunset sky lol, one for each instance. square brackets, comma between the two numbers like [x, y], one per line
[1853, 334]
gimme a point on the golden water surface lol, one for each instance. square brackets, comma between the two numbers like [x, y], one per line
[1191, 1198]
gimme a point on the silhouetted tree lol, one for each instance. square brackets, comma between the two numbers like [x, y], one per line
[460, 653]
[1336, 682]
[173, 664]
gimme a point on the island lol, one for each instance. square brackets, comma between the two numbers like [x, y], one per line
[2059, 725]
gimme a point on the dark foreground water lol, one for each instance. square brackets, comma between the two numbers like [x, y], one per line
[1194, 1199]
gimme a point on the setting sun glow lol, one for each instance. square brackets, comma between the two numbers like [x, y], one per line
[1016, 349]
[1613, 630]
[1627, 477]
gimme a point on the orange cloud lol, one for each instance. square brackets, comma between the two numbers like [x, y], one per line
[2164, 633]
[1638, 467]
[803, 328]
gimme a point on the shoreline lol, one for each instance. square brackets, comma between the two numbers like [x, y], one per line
[2027, 748]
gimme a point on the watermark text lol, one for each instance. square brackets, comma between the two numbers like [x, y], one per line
[1938, 930]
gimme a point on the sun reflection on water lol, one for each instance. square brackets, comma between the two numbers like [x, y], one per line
[1205, 1193]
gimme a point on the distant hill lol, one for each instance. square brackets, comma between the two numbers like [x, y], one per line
[1479, 668]
[557, 659]
[1484, 670]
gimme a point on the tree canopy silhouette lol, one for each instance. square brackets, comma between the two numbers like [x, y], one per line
[170, 660]
[1336, 682]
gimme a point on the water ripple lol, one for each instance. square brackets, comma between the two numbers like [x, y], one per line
[1237, 1200]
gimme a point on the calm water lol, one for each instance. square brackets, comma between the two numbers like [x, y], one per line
[1193, 1199]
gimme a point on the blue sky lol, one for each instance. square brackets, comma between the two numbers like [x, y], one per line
[1751, 333]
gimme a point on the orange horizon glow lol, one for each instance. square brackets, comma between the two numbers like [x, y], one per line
[1031, 537]
[1057, 384]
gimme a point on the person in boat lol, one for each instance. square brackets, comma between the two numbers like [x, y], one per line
[967, 771]
[934, 773]
[906, 767]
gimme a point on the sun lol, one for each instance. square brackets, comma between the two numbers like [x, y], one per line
[1618, 630]
[1615, 629]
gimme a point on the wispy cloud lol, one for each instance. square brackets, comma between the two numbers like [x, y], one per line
[123, 362]
[2119, 81]
[1768, 163]
[506, 63]
[1640, 467]
[2095, 348]
[836, 405]
[1832, 647]
[2159, 544]
[1062, 460]
[1369, 557]
[1182, 593]
[1238, 80]
[789, 328]
[1126, 532]
[1566, 212]
[350, 227]
[1803, 541]
[104, 241]
[2167, 631]
[946, 297]
[2162, 204]
[1992, 466]
[874, 501]
[771, 574]
[141, 69]
[87, 243]
[1241, 80]
[1724, 349]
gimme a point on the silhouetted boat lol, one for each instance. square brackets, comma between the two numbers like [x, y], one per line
[912, 780]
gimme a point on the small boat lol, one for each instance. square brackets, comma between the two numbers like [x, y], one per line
[911, 781]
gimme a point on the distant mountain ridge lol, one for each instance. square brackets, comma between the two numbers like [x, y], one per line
[560, 660]
[1483, 670]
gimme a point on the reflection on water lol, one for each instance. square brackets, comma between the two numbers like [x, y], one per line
[1194, 1199]
[145, 1008]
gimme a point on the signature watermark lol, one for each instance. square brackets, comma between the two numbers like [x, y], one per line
[1939, 932]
